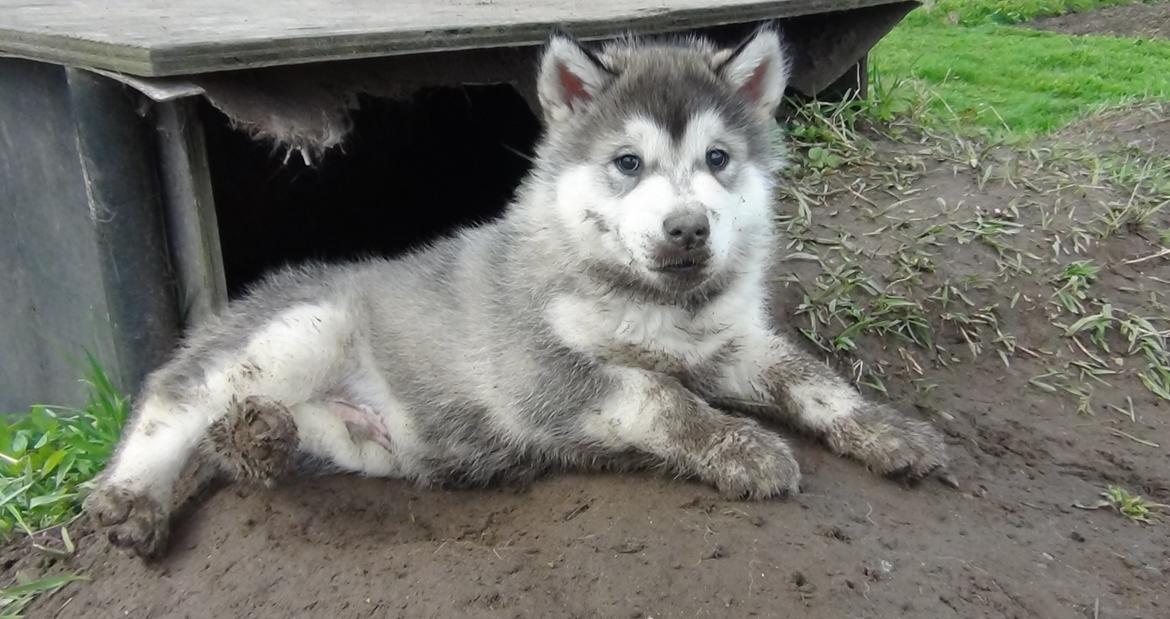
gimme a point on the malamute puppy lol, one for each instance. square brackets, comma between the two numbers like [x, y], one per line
[593, 326]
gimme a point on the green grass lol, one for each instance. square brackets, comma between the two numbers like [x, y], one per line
[1142, 339]
[14, 599]
[1000, 78]
[975, 12]
[47, 455]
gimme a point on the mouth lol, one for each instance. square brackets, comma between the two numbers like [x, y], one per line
[681, 267]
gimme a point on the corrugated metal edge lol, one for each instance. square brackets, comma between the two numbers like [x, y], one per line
[157, 88]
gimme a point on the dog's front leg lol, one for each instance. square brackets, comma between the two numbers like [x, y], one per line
[771, 377]
[656, 415]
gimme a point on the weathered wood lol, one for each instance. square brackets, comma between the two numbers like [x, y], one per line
[175, 37]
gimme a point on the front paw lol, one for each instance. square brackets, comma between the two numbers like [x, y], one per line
[748, 462]
[133, 521]
[889, 443]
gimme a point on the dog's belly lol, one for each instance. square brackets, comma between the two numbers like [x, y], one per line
[367, 388]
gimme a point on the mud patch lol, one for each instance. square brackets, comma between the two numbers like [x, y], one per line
[1146, 21]
[1007, 543]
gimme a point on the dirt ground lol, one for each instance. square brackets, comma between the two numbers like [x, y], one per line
[990, 229]
[1128, 20]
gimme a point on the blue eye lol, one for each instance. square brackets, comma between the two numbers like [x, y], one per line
[717, 159]
[628, 164]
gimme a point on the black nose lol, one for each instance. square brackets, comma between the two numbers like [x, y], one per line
[686, 230]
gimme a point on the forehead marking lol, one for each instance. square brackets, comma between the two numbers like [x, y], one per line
[658, 148]
[703, 130]
[670, 87]
[646, 135]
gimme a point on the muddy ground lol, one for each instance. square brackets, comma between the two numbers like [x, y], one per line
[1128, 20]
[975, 239]
[1010, 543]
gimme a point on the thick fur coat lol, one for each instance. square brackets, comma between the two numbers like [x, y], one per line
[593, 326]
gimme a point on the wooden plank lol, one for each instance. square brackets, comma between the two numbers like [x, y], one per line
[176, 37]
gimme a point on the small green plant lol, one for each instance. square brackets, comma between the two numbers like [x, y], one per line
[1131, 506]
[890, 99]
[48, 454]
[826, 134]
[1096, 326]
[820, 158]
[1073, 283]
[1143, 337]
[987, 230]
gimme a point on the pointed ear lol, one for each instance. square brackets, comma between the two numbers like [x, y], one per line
[757, 68]
[570, 77]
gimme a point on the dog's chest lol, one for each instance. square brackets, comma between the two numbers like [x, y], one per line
[650, 336]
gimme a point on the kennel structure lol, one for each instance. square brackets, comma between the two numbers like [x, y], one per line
[155, 155]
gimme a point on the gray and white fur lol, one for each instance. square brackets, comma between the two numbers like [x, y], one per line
[591, 327]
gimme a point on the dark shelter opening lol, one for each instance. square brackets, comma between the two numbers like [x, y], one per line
[412, 170]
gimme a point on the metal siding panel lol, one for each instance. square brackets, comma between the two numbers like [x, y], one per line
[54, 303]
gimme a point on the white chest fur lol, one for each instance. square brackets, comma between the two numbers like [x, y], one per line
[657, 337]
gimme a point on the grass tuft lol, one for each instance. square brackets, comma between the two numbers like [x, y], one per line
[16, 598]
[1074, 281]
[1131, 506]
[48, 454]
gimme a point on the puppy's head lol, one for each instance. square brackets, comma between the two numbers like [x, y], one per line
[660, 154]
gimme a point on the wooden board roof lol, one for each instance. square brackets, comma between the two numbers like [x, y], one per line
[176, 37]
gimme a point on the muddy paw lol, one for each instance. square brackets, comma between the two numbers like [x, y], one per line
[889, 443]
[257, 439]
[750, 462]
[132, 521]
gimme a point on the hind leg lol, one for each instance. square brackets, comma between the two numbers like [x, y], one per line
[263, 440]
[291, 356]
[257, 439]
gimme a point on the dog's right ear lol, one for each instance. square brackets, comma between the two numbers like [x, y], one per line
[570, 77]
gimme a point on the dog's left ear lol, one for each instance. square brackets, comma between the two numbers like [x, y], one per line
[570, 77]
[757, 68]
